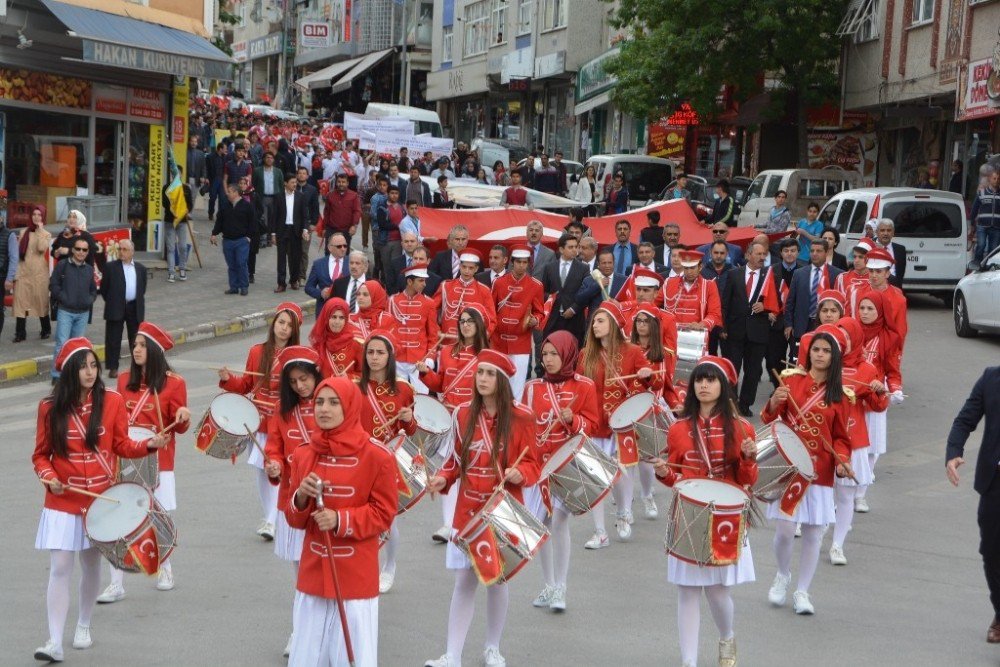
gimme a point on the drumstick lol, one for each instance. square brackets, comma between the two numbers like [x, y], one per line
[346, 368]
[253, 438]
[556, 420]
[83, 492]
[398, 415]
[629, 377]
[858, 383]
[164, 431]
[516, 462]
[441, 338]
[159, 413]
[220, 368]
[336, 587]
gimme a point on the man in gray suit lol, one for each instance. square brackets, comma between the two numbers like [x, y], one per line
[541, 256]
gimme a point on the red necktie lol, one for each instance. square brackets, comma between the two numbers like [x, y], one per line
[750, 284]
[336, 270]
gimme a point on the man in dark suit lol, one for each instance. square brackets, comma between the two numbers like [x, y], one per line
[803, 297]
[499, 256]
[564, 278]
[591, 295]
[327, 269]
[287, 228]
[781, 275]
[626, 253]
[123, 289]
[446, 263]
[268, 182]
[433, 280]
[884, 233]
[746, 326]
[346, 286]
[984, 400]
[393, 280]
[541, 256]
[647, 259]
[671, 239]
[311, 195]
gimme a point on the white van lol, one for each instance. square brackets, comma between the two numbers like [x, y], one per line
[425, 121]
[645, 176]
[931, 225]
[802, 185]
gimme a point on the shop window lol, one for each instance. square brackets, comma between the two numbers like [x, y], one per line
[555, 14]
[867, 24]
[923, 11]
[499, 22]
[477, 23]
[524, 11]
[447, 43]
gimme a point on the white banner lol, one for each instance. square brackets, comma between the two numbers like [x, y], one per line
[355, 123]
[416, 146]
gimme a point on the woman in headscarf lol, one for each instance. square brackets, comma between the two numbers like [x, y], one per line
[564, 404]
[372, 302]
[336, 340]
[76, 225]
[31, 284]
[356, 479]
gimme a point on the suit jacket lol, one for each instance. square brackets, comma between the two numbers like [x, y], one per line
[898, 254]
[545, 256]
[439, 201]
[662, 269]
[312, 203]
[394, 281]
[839, 261]
[739, 322]
[341, 284]
[565, 297]
[590, 295]
[258, 181]
[735, 253]
[797, 307]
[442, 265]
[299, 215]
[319, 279]
[433, 283]
[984, 400]
[484, 277]
[113, 291]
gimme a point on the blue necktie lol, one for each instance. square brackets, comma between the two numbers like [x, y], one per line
[814, 292]
[620, 263]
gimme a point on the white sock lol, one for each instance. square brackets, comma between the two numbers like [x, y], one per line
[784, 540]
[845, 512]
[688, 622]
[448, 502]
[90, 583]
[268, 494]
[623, 492]
[497, 598]
[560, 546]
[57, 595]
[463, 604]
[166, 566]
[861, 491]
[812, 537]
[545, 555]
[598, 513]
[117, 576]
[720, 603]
[391, 548]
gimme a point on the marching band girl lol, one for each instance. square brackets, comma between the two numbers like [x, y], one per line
[607, 356]
[155, 397]
[336, 340]
[713, 442]
[81, 428]
[812, 401]
[357, 480]
[291, 426]
[493, 433]
[372, 302]
[261, 383]
[387, 409]
[564, 404]
[830, 306]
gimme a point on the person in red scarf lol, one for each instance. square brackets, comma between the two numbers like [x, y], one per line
[336, 340]
[82, 427]
[813, 402]
[710, 441]
[564, 404]
[372, 303]
[492, 433]
[357, 479]
[155, 397]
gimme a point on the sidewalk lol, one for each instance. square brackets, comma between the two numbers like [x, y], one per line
[191, 311]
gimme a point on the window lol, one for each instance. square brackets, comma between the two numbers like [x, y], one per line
[477, 24]
[867, 26]
[756, 188]
[817, 187]
[925, 219]
[447, 41]
[773, 185]
[524, 11]
[498, 22]
[555, 14]
[858, 218]
[829, 213]
[923, 11]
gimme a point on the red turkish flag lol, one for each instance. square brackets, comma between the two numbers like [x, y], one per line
[485, 556]
[627, 291]
[792, 494]
[726, 536]
[547, 310]
[628, 452]
[144, 553]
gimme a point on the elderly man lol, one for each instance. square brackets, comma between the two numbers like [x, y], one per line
[671, 239]
[123, 289]
[541, 256]
[588, 252]
[884, 234]
[720, 232]
[346, 287]
[326, 270]
[447, 263]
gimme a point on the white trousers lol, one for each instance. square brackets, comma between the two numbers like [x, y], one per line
[407, 371]
[318, 640]
[517, 382]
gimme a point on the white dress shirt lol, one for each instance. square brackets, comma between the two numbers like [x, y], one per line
[332, 265]
[352, 285]
[289, 208]
[130, 280]
[269, 182]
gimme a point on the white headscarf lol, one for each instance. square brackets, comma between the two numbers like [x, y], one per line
[81, 220]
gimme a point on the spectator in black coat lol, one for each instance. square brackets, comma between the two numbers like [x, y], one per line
[123, 289]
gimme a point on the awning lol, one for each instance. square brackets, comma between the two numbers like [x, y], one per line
[119, 41]
[324, 77]
[368, 62]
[592, 103]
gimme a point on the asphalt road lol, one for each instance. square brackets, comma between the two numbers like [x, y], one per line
[913, 593]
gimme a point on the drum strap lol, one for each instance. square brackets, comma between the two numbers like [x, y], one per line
[75, 416]
[379, 412]
[138, 406]
[487, 439]
[297, 413]
[699, 439]
[554, 399]
[807, 407]
[461, 374]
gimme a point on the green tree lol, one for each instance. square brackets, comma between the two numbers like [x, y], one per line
[686, 50]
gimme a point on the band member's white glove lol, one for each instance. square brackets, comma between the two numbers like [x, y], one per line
[896, 397]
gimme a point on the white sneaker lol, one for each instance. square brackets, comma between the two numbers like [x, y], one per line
[798, 530]
[288, 647]
[801, 603]
[727, 652]
[385, 581]
[81, 638]
[623, 527]
[779, 590]
[837, 556]
[628, 516]
[598, 541]
[861, 505]
[266, 530]
[444, 661]
[51, 652]
[649, 504]
[558, 603]
[165, 580]
[545, 597]
[492, 657]
[443, 535]
[184, 274]
[113, 593]
[170, 278]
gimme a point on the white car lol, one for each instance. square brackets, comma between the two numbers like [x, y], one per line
[977, 298]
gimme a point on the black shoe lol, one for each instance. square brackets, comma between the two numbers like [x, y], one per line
[251, 279]
[112, 372]
[45, 334]
[745, 411]
[243, 292]
[232, 291]
[19, 338]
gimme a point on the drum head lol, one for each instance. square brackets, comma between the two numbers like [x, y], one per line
[431, 415]
[793, 449]
[140, 433]
[232, 411]
[107, 521]
[631, 410]
[561, 455]
[705, 491]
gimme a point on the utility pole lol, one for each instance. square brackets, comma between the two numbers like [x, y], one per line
[404, 74]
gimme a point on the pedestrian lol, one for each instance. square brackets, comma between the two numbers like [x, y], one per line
[9, 256]
[722, 210]
[326, 270]
[389, 224]
[617, 199]
[215, 165]
[123, 289]
[312, 215]
[196, 174]
[985, 217]
[379, 217]
[73, 291]
[268, 182]
[76, 226]
[235, 223]
[780, 218]
[516, 194]
[343, 210]
[177, 234]
[287, 229]
[808, 229]
[31, 283]
[984, 400]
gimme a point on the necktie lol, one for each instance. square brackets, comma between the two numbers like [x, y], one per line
[353, 303]
[563, 270]
[619, 259]
[750, 284]
[409, 261]
[455, 265]
[814, 292]
[336, 270]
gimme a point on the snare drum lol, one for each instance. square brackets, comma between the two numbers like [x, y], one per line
[580, 474]
[692, 345]
[643, 414]
[707, 522]
[780, 456]
[519, 535]
[433, 427]
[228, 426]
[135, 534]
[144, 470]
[412, 479]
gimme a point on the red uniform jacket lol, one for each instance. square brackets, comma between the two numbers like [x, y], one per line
[454, 377]
[452, 298]
[361, 488]
[482, 476]
[858, 380]
[284, 436]
[886, 359]
[380, 406]
[141, 409]
[700, 303]
[91, 470]
[610, 396]
[263, 392]
[829, 422]
[350, 357]
[546, 399]
[726, 463]
[516, 301]
[850, 284]
[416, 326]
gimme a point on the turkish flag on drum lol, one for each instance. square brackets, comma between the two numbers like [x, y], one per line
[628, 452]
[726, 538]
[144, 553]
[792, 494]
[485, 556]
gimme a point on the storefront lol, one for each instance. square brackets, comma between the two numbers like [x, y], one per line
[602, 127]
[976, 140]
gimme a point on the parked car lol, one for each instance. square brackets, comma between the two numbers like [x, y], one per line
[802, 185]
[976, 303]
[573, 168]
[644, 175]
[703, 195]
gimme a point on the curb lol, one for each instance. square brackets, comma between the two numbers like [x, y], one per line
[29, 368]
